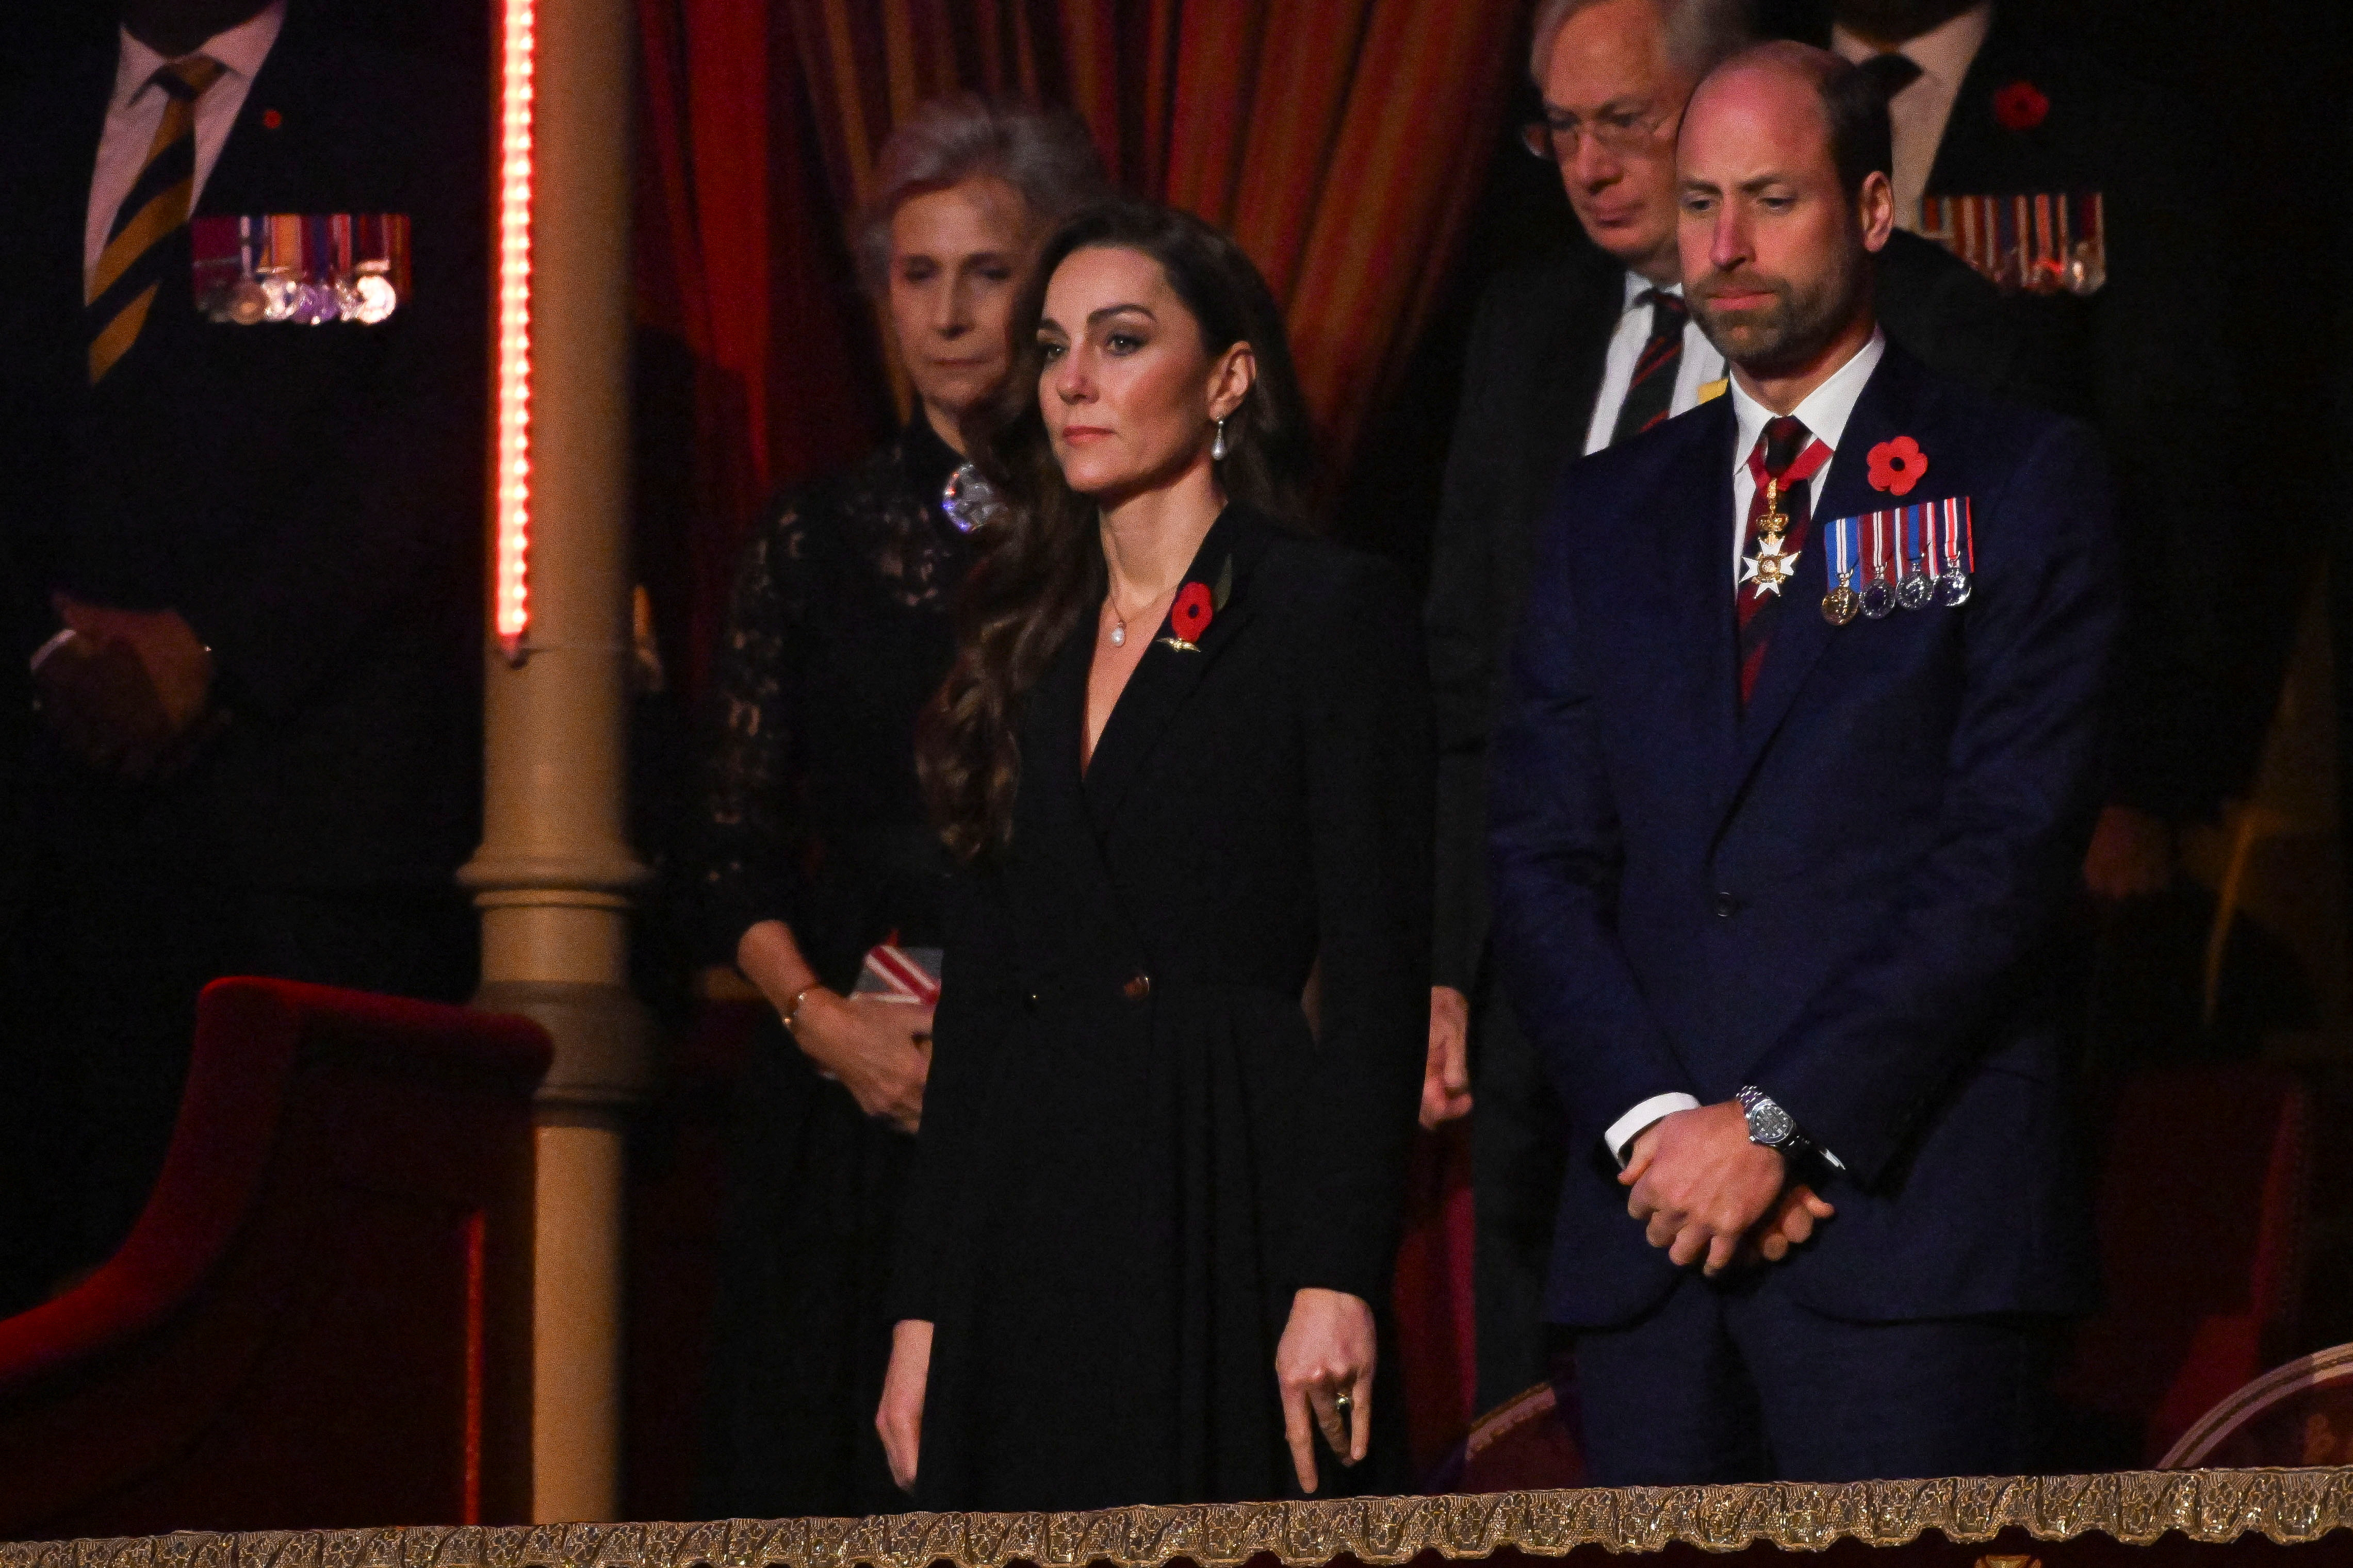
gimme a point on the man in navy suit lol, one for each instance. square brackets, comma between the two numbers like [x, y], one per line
[1778, 873]
[238, 565]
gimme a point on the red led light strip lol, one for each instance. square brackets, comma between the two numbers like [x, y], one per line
[510, 606]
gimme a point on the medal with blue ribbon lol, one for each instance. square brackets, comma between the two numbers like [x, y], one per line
[1842, 604]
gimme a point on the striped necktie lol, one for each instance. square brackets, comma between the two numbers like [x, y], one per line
[1650, 394]
[138, 250]
[1789, 456]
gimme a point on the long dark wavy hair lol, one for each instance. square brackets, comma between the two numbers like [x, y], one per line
[1040, 567]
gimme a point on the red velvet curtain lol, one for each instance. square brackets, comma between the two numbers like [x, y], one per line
[1327, 135]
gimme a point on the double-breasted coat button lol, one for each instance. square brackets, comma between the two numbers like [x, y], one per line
[1726, 906]
[1137, 988]
[1032, 1001]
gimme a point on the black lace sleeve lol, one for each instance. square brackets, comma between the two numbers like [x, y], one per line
[750, 801]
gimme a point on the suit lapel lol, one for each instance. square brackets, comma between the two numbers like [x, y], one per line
[1977, 156]
[1166, 676]
[72, 118]
[1696, 574]
[1571, 382]
[1801, 633]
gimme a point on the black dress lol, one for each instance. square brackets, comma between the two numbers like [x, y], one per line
[1134, 1149]
[837, 633]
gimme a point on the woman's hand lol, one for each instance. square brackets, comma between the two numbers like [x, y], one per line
[881, 1051]
[899, 1416]
[1446, 1074]
[1326, 1356]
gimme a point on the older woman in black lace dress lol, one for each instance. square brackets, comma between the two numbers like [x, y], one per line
[817, 843]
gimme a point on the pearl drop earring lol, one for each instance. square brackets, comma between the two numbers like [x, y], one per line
[1218, 444]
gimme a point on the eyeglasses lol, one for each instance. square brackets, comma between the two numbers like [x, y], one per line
[1624, 132]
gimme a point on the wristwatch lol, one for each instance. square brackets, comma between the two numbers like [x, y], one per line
[1771, 1126]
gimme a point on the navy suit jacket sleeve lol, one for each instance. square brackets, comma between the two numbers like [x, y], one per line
[1557, 850]
[1869, 1057]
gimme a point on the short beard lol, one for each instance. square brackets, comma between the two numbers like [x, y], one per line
[1783, 336]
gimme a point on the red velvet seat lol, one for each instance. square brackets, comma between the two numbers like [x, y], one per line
[2202, 1201]
[324, 1316]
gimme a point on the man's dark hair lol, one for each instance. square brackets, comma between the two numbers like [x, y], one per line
[1861, 142]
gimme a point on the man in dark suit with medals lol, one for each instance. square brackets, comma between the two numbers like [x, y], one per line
[1779, 848]
[240, 382]
[1986, 108]
[1567, 358]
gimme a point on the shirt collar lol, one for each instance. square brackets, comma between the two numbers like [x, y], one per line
[1637, 286]
[240, 51]
[1824, 412]
[1942, 52]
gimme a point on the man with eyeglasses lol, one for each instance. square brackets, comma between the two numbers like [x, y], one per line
[1565, 359]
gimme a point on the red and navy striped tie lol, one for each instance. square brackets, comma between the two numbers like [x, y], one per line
[1786, 450]
[1651, 395]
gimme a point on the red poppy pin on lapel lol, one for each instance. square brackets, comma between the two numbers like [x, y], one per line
[2021, 106]
[272, 120]
[1189, 617]
[1896, 466]
[1195, 608]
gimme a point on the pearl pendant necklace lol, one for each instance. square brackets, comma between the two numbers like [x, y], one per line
[1119, 622]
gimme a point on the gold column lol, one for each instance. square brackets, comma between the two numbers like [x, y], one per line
[553, 872]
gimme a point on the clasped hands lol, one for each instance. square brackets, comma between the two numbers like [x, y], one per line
[130, 693]
[1708, 1196]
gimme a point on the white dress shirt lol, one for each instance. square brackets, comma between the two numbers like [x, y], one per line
[1700, 365]
[136, 110]
[1918, 113]
[1824, 413]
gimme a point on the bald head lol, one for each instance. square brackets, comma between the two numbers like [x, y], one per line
[1774, 237]
[1852, 108]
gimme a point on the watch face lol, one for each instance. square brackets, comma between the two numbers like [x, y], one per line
[1770, 1124]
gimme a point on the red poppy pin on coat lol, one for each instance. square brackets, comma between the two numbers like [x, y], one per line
[2021, 106]
[1195, 608]
[1896, 466]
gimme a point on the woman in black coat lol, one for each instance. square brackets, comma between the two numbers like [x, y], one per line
[1185, 755]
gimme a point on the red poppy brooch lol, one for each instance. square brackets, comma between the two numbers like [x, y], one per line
[1195, 608]
[1896, 466]
[2021, 106]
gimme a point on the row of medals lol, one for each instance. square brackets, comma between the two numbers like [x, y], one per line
[367, 297]
[1916, 590]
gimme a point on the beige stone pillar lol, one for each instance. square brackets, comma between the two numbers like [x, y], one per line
[554, 873]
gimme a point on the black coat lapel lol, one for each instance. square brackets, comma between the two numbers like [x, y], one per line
[1800, 635]
[1166, 676]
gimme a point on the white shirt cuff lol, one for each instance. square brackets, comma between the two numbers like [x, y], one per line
[1629, 1127]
